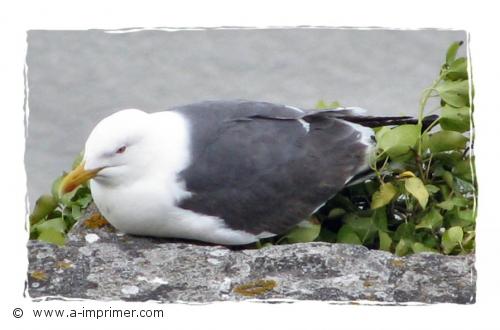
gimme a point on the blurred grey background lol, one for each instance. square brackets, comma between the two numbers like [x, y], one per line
[76, 78]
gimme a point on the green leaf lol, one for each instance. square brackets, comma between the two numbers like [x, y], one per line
[448, 178]
[456, 87]
[445, 189]
[463, 169]
[348, 236]
[76, 211]
[451, 53]
[418, 247]
[322, 105]
[446, 205]
[56, 224]
[52, 236]
[449, 158]
[304, 232]
[384, 195]
[385, 241]
[416, 187]
[85, 201]
[405, 230]
[44, 205]
[67, 199]
[397, 142]
[467, 215]
[335, 105]
[431, 220]
[447, 140]
[454, 99]
[379, 218]
[468, 242]
[454, 93]
[424, 142]
[432, 189]
[380, 131]
[460, 201]
[55, 187]
[431, 241]
[464, 186]
[457, 70]
[464, 218]
[451, 238]
[403, 247]
[364, 227]
[455, 119]
[336, 212]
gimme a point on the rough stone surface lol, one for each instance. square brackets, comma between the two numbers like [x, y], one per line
[102, 264]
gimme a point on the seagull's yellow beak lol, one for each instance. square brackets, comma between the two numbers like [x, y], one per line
[75, 178]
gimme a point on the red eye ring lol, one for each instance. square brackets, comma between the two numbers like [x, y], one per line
[121, 150]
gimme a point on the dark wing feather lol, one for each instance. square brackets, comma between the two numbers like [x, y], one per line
[255, 166]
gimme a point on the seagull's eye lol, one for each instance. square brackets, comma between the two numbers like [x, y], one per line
[121, 150]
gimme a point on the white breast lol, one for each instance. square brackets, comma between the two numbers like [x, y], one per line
[147, 204]
[143, 211]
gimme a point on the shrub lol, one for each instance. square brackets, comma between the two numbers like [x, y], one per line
[422, 197]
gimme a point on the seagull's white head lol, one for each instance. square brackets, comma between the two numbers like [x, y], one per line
[120, 147]
[127, 146]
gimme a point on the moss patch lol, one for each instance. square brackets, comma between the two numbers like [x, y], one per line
[255, 288]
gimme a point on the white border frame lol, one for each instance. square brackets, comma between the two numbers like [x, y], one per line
[480, 22]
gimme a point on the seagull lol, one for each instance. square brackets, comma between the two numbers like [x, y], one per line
[223, 172]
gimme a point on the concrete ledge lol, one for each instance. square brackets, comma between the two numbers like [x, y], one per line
[102, 264]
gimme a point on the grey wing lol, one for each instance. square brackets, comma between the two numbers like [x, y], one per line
[262, 173]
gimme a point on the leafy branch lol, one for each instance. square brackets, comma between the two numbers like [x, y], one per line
[423, 194]
[54, 215]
